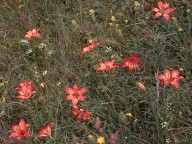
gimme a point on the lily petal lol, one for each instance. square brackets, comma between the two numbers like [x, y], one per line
[160, 5]
[166, 5]
[155, 10]
[166, 16]
[175, 84]
[170, 10]
[175, 73]
[158, 14]
[82, 91]
[167, 74]
[69, 97]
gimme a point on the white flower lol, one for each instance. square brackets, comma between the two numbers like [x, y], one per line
[164, 124]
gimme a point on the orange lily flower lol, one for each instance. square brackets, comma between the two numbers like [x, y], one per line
[75, 94]
[81, 114]
[45, 132]
[171, 78]
[90, 47]
[20, 130]
[163, 10]
[107, 65]
[25, 90]
[32, 33]
[132, 62]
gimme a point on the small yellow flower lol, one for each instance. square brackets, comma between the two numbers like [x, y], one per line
[100, 140]
[188, 10]
[73, 22]
[174, 19]
[113, 18]
[42, 85]
[3, 100]
[180, 29]
[91, 137]
[136, 5]
[3, 83]
[91, 12]
[181, 69]
[21, 6]
[180, 113]
[129, 114]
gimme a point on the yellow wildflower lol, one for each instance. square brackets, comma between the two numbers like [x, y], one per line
[181, 69]
[3, 83]
[136, 5]
[126, 21]
[100, 140]
[43, 85]
[188, 10]
[73, 22]
[113, 18]
[91, 12]
[129, 114]
[174, 19]
[180, 29]
[21, 6]
[91, 137]
[180, 113]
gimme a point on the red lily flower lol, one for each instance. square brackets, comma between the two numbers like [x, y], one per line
[163, 10]
[45, 132]
[75, 94]
[171, 78]
[25, 90]
[90, 47]
[132, 62]
[32, 33]
[20, 130]
[81, 114]
[107, 65]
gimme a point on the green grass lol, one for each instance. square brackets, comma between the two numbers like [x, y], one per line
[65, 28]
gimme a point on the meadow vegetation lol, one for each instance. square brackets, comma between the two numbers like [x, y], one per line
[96, 71]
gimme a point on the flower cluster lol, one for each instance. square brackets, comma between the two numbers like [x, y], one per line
[25, 91]
[130, 62]
[76, 95]
[21, 130]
